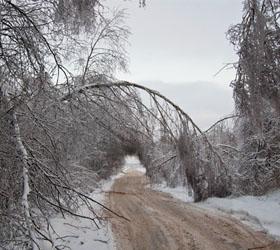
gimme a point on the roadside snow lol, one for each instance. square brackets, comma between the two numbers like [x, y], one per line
[179, 192]
[81, 234]
[132, 163]
[259, 212]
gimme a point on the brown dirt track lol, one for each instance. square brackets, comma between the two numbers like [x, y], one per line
[158, 221]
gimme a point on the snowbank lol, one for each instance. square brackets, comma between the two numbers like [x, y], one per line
[261, 213]
[179, 192]
[82, 234]
[132, 163]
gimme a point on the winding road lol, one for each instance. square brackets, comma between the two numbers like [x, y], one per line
[159, 222]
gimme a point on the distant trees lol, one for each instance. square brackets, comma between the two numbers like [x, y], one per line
[142, 3]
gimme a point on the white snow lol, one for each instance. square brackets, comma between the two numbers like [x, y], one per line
[259, 212]
[82, 234]
[132, 163]
[179, 192]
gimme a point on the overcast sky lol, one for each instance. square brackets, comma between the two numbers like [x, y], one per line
[177, 46]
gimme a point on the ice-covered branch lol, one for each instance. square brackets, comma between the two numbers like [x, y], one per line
[26, 185]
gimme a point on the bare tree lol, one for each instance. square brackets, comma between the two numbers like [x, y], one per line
[257, 94]
[34, 36]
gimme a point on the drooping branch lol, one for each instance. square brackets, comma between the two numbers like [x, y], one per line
[83, 89]
[179, 132]
[219, 121]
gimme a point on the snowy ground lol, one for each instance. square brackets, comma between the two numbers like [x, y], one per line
[132, 164]
[180, 192]
[262, 213]
[81, 234]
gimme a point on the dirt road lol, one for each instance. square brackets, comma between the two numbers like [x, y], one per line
[157, 221]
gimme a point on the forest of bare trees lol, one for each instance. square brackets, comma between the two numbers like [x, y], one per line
[66, 122]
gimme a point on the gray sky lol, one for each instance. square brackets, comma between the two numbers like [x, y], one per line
[177, 46]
